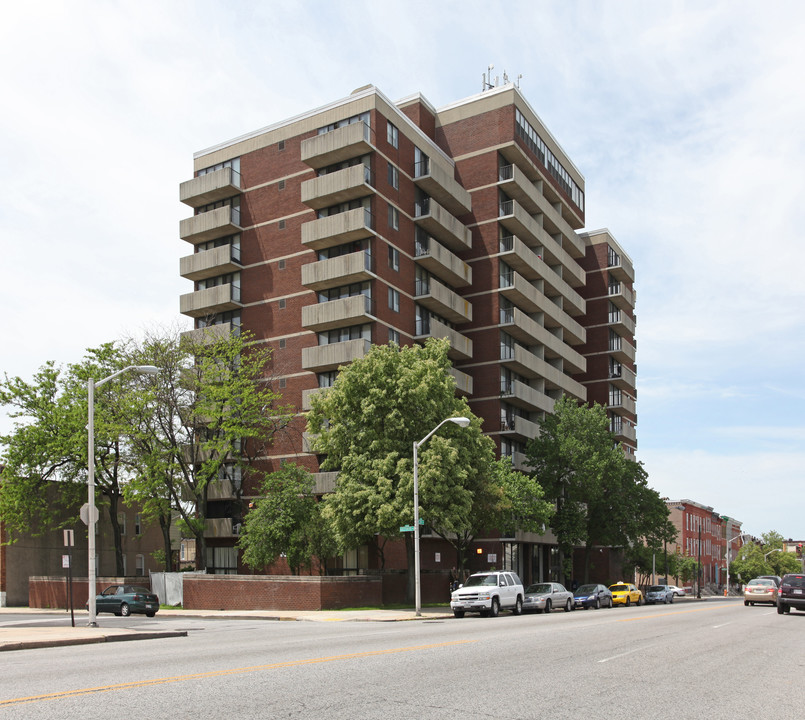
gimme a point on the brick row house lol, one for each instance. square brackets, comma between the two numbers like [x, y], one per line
[371, 221]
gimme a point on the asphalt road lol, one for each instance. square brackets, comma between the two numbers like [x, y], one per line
[716, 660]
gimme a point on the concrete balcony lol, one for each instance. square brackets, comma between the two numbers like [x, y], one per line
[209, 263]
[515, 183]
[221, 490]
[444, 302]
[622, 296]
[443, 264]
[622, 270]
[626, 433]
[520, 462]
[463, 381]
[460, 345]
[210, 225]
[344, 312]
[625, 406]
[523, 294]
[621, 323]
[337, 145]
[520, 426]
[307, 396]
[528, 331]
[219, 528]
[330, 357]
[333, 230]
[524, 396]
[440, 184]
[571, 217]
[341, 186]
[338, 271]
[210, 301]
[625, 379]
[519, 222]
[622, 351]
[210, 334]
[210, 187]
[325, 482]
[439, 223]
[525, 363]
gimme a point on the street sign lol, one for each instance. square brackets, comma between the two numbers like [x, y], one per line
[69, 538]
[65, 561]
[407, 528]
[85, 513]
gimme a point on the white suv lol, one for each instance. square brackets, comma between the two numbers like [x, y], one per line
[487, 593]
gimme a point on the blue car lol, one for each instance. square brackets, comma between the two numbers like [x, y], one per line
[592, 596]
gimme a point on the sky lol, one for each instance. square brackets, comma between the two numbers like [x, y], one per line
[685, 118]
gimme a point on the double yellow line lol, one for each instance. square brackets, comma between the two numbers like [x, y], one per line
[221, 673]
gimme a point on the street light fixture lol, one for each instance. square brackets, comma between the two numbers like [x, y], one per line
[771, 551]
[461, 422]
[92, 512]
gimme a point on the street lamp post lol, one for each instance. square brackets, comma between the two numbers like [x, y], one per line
[729, 542]
[772, 551]
[461, 422]
[699, 566]
[92, 512]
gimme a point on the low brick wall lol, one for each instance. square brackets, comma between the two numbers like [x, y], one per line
[280, 592]
[52, 592]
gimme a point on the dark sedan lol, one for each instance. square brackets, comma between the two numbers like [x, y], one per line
[127, 599]
[592, 596]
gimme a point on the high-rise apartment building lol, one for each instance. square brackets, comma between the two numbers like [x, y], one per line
[369, 221]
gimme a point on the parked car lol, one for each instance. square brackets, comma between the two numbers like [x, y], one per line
[625, 594]
[487, 593]
[659, 594]
[678, 591]
[546, 596]
[761, 590]
[792, 593]
[127, 599]
[592, 596]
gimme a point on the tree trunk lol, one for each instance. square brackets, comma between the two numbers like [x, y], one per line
[165, 525]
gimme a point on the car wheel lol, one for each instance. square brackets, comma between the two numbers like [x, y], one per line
[518, 606]
[780, 608]
[671, 599]
[597, 604]
[150, 614]
[494, 611]
[665, 600]
[458, 613]
[547, 606]
[568, 605]
[125, 610]
[639, 600]
[628, 601]
[746, 602]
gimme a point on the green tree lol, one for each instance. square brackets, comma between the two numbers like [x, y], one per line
[206, 417]
[286, 520]
[601, 497]
[49, 442]
[365, 426]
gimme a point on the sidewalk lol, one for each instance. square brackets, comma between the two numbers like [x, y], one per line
[26, 638]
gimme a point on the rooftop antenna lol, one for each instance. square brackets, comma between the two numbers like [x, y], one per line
[487, 83]
[517, 84]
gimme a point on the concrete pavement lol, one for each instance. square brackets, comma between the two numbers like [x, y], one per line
[25, 637]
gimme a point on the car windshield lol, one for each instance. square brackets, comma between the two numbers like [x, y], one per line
[761, 582]
[586, 590]
[539, 588]
[481, 580]
[657, 588]
[619, 588]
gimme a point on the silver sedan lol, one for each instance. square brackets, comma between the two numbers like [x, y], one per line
[546, 596]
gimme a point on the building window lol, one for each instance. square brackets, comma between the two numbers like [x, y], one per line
[282, 343]
[138, 524]
[394, 336]
[392, 135]
[394, 258]
[281, 145]
[338, 335]
[121, 520]
[281, 185]
[394, 177]
[326, 379]
[281, 264]
[139, 565]
[282, 304]
[421, 163]
[281, 224]
[282, 382]
[394, 299]
[394, 217]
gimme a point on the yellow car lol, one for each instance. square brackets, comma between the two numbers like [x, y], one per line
[625, 594]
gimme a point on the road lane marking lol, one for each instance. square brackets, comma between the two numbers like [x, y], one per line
[624, 654]
[222, 673]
